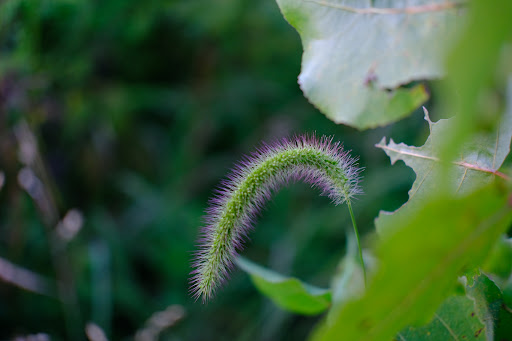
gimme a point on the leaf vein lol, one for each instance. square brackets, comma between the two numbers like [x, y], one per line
[405, 10]
[421, 182]
[496, 147]
[462, 180]
[433, 158]
[401, 337]
[443, 322]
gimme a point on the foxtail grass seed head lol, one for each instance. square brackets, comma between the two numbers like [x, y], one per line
[251, 183]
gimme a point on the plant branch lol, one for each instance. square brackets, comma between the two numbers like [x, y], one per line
[438, 7]
[357, 239]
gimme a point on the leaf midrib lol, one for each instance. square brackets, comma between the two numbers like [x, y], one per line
[444, 323]
[437, 7]
[464, 164]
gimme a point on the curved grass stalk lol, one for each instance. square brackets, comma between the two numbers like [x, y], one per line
[241, 196]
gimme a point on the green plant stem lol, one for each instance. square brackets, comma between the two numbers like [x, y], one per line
[357, 239]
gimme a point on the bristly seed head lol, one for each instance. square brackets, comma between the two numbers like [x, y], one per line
[238, 200]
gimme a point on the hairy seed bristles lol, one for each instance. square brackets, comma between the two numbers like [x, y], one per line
[251, 183]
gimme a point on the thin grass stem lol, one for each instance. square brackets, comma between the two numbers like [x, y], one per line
[357, 239]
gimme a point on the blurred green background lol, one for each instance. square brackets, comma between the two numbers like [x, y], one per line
[129, 113]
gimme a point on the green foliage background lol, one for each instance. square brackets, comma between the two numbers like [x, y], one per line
[139, 109]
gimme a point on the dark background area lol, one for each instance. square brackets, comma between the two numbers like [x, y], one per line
[138, 110]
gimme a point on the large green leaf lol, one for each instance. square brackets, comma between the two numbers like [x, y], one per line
[499, 262]
[507, 292]
[287, 292]
[419, 264]
[479, 315]
[476, 166]
[475, 77]
[355, 56]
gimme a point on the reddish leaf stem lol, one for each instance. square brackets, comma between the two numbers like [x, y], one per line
[404, 10]
[458, 163]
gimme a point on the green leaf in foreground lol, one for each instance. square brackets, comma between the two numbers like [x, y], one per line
[499, 262]
[355, 58]
[287, 292]
[472, 73]
[478, 315]
[419, 264]
[477, 165]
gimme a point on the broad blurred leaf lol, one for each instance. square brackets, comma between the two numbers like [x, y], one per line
[353, 56]
[287, 292]
[499, 262]
[473, 73]
[477, 165]
[507, 292]
[420, 262]
[479, 315]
